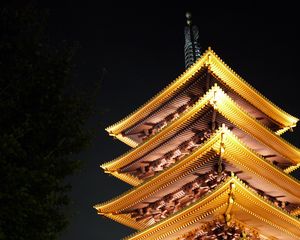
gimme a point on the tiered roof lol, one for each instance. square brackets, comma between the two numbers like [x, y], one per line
[238, 203]
[263, 139]
[207, 159]
[253, 168]
[225, 75]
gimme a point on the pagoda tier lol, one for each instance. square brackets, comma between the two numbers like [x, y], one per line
[218, 228]
[208, 162]
[191, 129]
[181, 94]
[230, 211]
[196, 175]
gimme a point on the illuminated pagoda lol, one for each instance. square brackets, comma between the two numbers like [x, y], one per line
[207, 159]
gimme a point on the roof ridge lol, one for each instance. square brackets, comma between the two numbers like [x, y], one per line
[198, 106]
[208, 58]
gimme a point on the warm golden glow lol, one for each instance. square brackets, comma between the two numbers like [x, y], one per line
[292, 168]
[236, 176]
[236, 153]
[226, 75]
[228, 108]
[262, 214]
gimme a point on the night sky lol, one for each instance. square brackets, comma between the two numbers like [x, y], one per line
[141, 49]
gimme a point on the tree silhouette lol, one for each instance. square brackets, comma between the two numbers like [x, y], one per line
[41, 127]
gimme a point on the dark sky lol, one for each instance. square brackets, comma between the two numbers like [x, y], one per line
[141, 47]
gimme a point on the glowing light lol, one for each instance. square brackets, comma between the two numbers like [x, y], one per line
[216, 98]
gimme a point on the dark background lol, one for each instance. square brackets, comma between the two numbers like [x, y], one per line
[139, 48]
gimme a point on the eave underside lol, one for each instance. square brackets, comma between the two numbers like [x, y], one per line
[179, 142]
[271, 143]
[224, 74]
[245, 206]
[238, 158]
[169, 111]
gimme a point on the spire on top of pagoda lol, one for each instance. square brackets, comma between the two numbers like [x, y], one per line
[207, 160]
[192, 50]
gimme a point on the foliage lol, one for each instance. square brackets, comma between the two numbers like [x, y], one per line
[41, 127]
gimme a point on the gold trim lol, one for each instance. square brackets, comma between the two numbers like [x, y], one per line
[216, 202]
[166, 178]
[238, 84]
[295, 212]
[292, 168]
[209, 204]
[237, 153]
[124, 220]
[126, 158]
[228, 216]
[159, 98]
[282, 131]
[234, 221]
[240, 118]
[230, 110]
[130, 179]
[226, 75]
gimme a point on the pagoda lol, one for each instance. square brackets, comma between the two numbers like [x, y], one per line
[207, 159]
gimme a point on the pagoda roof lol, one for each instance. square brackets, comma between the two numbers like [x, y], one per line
[217, 98]
[267, 176]
[292, 168]
[237, 202]
[226, 75]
